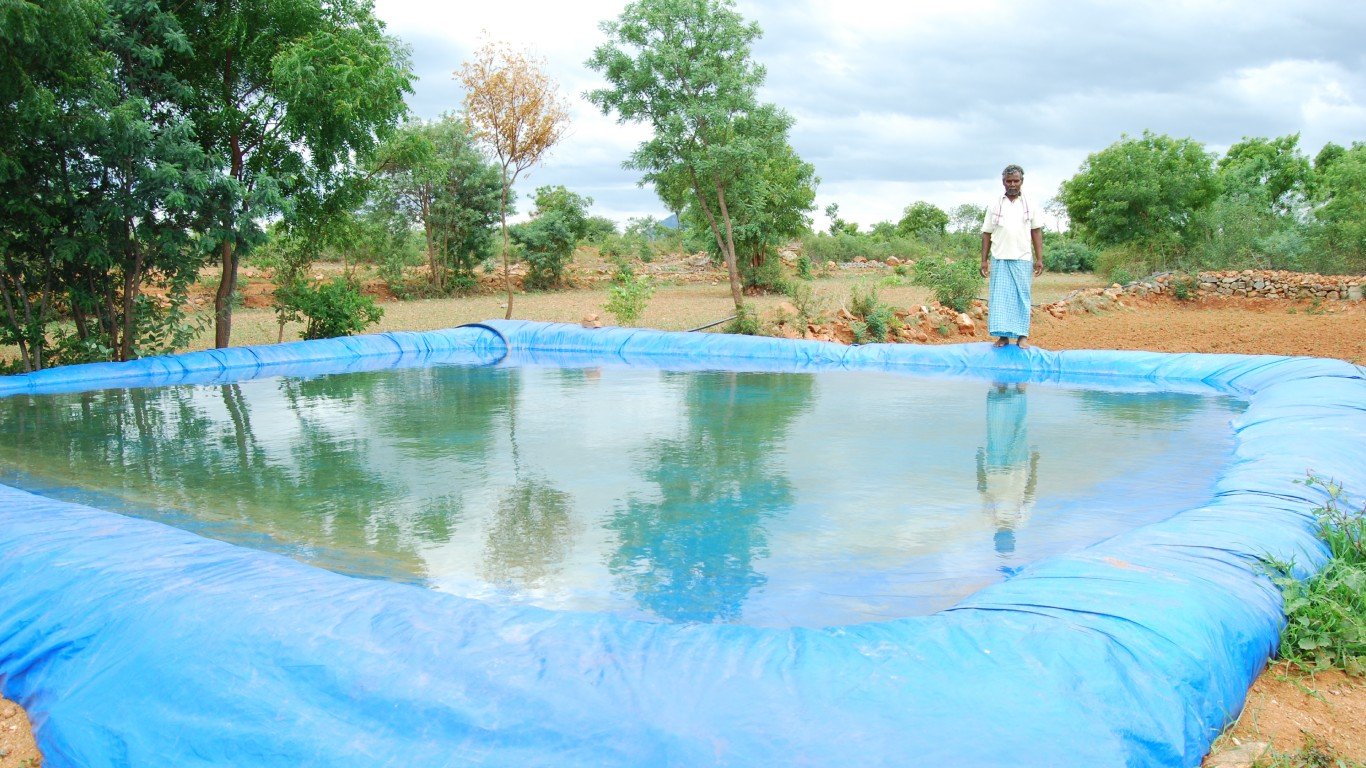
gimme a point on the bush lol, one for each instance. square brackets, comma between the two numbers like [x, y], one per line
[746, 322]
[547, 243]
[1326, 614]
[629, 294]
[876, 318]
[1066, 254]
[955, 282]
[335, 308]
[845, 247]
[1184, 287]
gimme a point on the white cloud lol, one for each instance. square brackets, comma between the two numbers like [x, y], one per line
[897, 102]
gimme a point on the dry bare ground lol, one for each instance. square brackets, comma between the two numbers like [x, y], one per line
[1283, 709]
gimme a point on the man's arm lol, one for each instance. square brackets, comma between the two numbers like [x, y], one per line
[986, 254]
[1036, 241]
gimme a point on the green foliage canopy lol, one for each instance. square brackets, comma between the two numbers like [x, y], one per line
[1140, 191]
[683, 67]
[922, 219]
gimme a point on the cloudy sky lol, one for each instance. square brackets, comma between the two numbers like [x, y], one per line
[898, 102]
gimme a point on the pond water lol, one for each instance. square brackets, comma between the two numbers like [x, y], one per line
[772, 499]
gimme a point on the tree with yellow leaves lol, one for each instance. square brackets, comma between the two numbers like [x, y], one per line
[515, 108]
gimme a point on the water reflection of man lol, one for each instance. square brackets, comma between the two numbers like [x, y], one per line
[1007, 468]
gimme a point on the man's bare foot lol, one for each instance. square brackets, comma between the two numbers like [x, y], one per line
[1021, 343]
[1001, 341]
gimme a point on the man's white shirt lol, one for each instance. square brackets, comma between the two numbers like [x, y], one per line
[1009, 222]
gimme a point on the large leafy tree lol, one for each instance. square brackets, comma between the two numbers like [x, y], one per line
[516, 109]
[1340, 194]
[922, 219]
[1143, 191]
[683, 67]
[434, 177]
[769, 198]
[103, 179]
[1271, 172]
[286, 93]
[53, 83]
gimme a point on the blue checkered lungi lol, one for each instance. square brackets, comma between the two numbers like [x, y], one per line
[1008, 307]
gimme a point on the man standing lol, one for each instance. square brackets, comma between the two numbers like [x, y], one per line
[1012, 232]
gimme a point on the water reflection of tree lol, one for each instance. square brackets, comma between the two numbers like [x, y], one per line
[1160, 410]
[297, 466]
[689, 555]
[533, 525]
[530, 536]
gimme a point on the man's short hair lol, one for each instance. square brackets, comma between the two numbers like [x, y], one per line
[1012, 168]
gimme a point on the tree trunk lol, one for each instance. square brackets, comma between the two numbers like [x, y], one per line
[429, 231]
[507, 258]
[222, 301]
[731, 262]
[132, 283]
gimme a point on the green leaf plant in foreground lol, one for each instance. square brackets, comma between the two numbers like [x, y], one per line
[1326, 613]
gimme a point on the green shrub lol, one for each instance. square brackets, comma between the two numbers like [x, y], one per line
[846, 247]
[955, 282]
[1184, 287]
[547, 244]
[876, 318]
[1066, 254]
[1326, 614]
[334, 308]
[809, 305]
[628, 296]
[746, 322]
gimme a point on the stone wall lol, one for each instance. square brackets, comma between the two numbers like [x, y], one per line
[1255, 283]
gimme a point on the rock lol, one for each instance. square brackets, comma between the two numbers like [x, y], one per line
[893, 261]
[860, 259]
[1242, 756]
[591, 320]
[964, 323]
[921, 336]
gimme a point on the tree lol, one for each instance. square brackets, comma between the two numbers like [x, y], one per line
[1273, 172]
[1341, 215]
[924, 220]
[285, 93]
[1142, 191]
[52, 75]
[769, 197]
[683, 67]
[434, 177]
[967, 218]
[100, 177]
[516, 110]
[548, 240]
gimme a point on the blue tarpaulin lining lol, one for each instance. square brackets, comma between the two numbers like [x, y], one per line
[133, 643]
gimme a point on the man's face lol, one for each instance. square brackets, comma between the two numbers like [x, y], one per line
[1012, 182]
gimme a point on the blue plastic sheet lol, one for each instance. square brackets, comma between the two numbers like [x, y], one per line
[132, 643]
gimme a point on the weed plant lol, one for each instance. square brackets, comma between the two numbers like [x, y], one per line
[809, 306]
[1184, 287]
[875, 318]
[1326, 614]
[955, 282]
[628, 295]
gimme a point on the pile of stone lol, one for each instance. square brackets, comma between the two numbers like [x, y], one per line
[914, 325]
[1257, 283]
